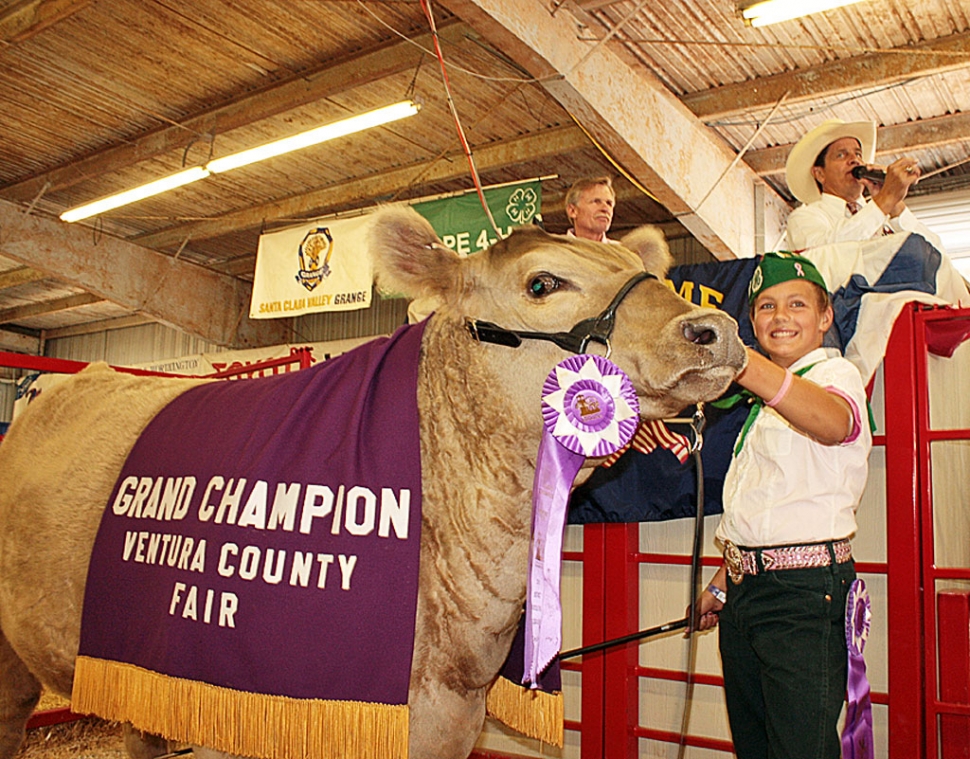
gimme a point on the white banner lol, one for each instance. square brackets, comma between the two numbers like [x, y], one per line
[321, 266]
[200, 364]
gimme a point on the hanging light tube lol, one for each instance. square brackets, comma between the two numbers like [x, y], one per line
[141, 192]
[315, 136]
[773, 11]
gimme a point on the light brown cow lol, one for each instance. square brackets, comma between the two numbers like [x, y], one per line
[480, 430]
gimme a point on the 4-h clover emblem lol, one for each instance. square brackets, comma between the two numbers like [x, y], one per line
[522, 206]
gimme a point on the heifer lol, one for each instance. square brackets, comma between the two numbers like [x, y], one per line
[480, 427]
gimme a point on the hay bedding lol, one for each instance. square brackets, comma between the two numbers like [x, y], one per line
[88, 738]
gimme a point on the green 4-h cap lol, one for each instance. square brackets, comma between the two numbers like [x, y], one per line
[779, 267]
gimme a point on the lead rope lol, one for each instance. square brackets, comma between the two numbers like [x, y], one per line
[697, 427]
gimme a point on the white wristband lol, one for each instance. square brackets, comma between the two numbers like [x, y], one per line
[719, 594]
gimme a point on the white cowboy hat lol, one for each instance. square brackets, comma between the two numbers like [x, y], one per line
[798, 169]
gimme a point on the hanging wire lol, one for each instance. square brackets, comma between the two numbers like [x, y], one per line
[609, 35]
[425, 5]
[613, 161]
[743, 150]
[809, 110]
[403, 36]
[409, 94]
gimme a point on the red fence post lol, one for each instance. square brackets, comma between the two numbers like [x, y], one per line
[953, 615]
[622, 683]
[903, 531]
[594, 631]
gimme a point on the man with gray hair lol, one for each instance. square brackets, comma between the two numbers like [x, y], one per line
[589, 206]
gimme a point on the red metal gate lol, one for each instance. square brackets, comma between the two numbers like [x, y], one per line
[929, 636]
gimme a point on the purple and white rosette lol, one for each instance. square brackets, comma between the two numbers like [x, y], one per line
[590, 409]
[857, 732]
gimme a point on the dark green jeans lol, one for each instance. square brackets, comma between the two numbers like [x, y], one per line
[783, 650]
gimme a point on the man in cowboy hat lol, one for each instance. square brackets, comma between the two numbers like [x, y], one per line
[819, 174]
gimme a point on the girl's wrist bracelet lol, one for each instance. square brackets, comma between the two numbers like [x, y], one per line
[782, 391]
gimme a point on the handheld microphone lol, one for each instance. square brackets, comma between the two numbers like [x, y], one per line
[864, 172]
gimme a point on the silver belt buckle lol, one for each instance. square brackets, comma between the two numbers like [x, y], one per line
[732, 560]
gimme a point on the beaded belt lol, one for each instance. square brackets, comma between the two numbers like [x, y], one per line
[742, 561]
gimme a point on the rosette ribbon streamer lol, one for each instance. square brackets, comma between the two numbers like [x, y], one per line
[589, 409]
[857, 732]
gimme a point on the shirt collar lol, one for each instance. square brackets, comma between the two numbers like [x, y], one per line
[570, 233]
[835, 200]
[812, 357]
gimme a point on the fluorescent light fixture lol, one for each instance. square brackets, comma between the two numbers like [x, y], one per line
[314, 136]
[136, 193]
[773, 11]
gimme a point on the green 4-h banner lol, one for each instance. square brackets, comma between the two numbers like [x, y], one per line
[324, 265]
[461, 222]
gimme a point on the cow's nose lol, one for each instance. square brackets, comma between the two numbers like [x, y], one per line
[699, 334]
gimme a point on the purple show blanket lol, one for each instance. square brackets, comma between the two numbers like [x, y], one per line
[289, 564]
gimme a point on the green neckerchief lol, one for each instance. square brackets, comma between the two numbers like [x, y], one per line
[756, 404]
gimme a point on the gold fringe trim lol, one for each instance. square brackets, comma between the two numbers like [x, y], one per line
[534, 713]
[238, 722]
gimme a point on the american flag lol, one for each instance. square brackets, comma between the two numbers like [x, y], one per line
[648, 436]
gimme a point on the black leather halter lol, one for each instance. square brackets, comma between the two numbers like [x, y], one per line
[597, 329]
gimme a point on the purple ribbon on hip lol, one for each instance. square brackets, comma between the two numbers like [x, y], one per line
[857, 732]
[589, 408]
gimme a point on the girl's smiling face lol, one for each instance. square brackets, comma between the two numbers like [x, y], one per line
[789, 320]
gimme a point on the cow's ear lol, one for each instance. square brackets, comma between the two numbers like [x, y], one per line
[408, 256]
[650, 244]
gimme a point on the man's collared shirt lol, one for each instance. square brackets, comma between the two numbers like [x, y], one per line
[604, 238]
[827, 221]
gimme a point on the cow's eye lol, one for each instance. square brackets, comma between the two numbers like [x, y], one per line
[543, 284]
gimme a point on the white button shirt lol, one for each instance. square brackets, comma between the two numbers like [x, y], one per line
[827, 221]
[784, 488]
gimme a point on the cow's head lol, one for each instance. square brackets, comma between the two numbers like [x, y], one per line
[536, 287]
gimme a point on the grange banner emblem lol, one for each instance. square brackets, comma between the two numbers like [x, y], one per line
[326, 266]
[312, 267]
[315, 252]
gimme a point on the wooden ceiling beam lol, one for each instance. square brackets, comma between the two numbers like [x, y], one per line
[104, 325]
[307, 87]
[909, 138]
[22, 19]
[369, 189]
[19, 343]
[22, 276]
[866, 71]
[139, 279]
[45, 307]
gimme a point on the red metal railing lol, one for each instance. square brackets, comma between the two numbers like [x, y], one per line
[945, 720]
